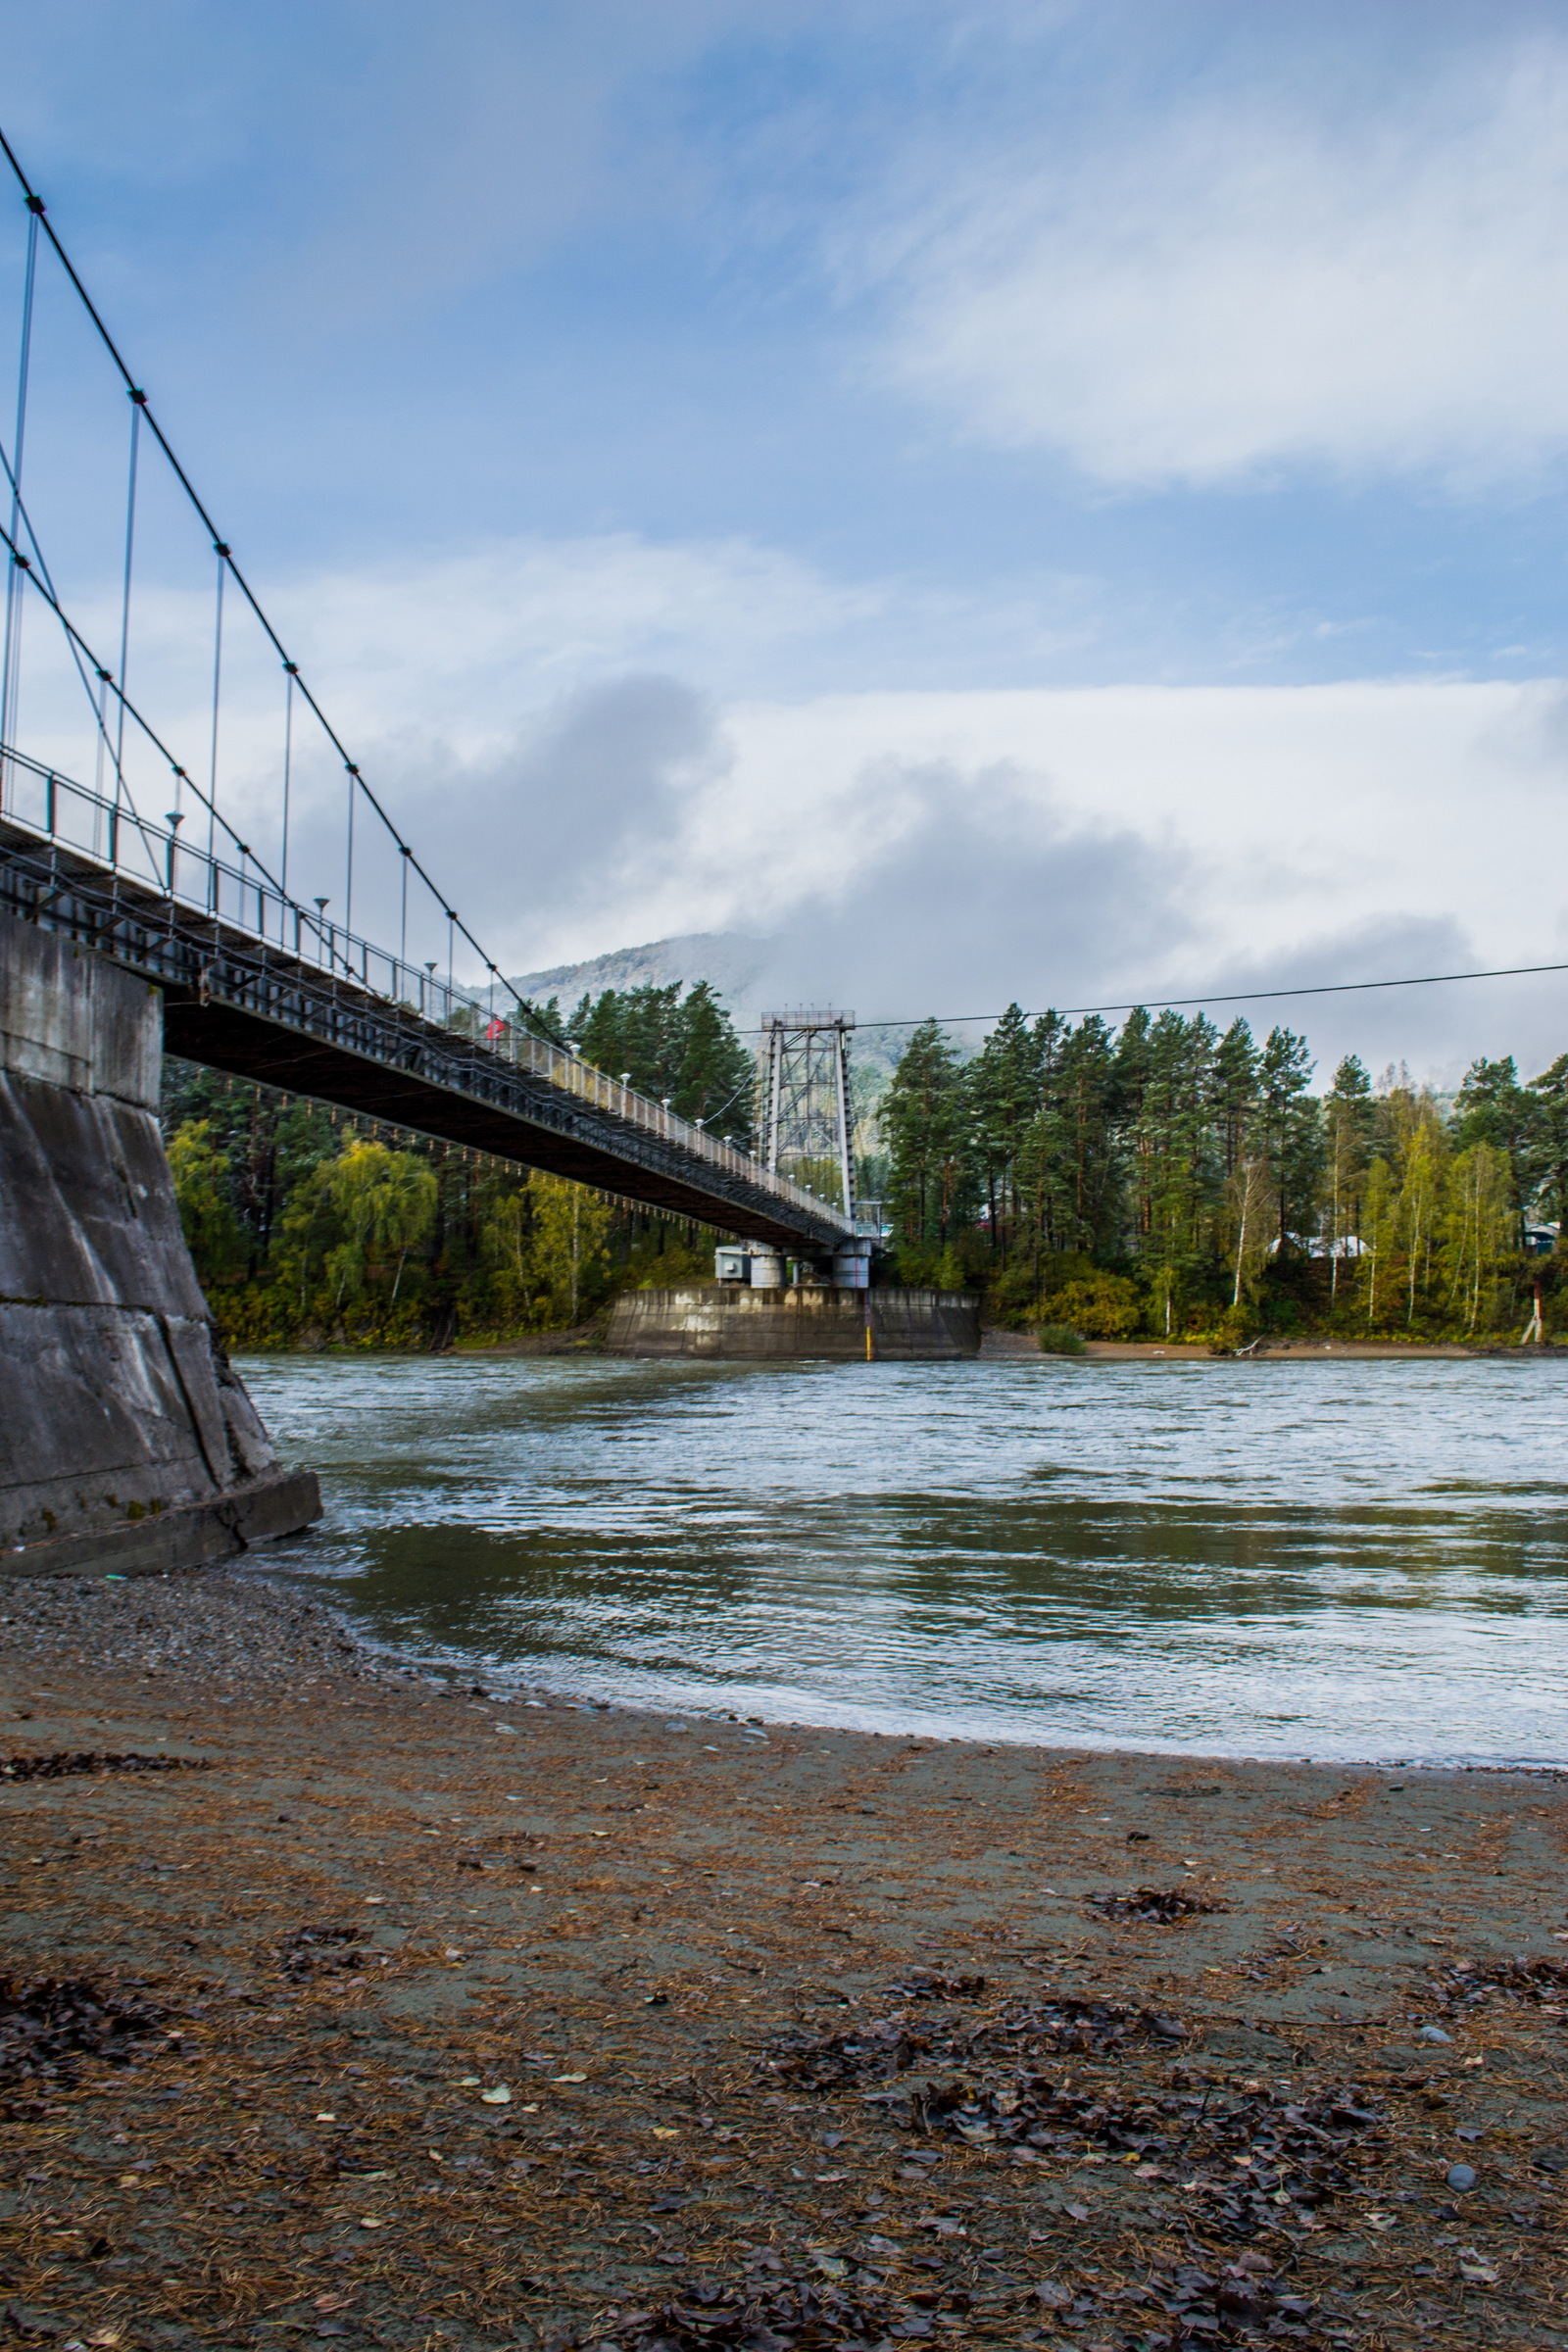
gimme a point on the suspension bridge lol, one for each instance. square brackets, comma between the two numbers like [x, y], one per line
[254, 977]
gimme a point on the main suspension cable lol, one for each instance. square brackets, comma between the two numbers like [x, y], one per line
[37, 208]
[35, 575]
[97, 701]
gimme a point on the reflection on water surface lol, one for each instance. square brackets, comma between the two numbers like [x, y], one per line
[1293, 1558]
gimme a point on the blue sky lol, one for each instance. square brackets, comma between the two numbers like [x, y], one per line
[903, 392]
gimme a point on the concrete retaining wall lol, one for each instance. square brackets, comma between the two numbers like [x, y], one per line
[724, 1319]
[126, 1442]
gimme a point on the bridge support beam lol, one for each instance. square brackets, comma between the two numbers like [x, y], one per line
[126, 1442]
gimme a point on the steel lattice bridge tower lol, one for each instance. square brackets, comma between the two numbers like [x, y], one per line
[804, 1084]
[256, 978]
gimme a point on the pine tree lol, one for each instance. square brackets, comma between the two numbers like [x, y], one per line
[1087, 1094]
[1346, 1141]
[682, 1050]
[1175, 1174]
[1004, 1101]
[1289, 1133]
[1235, 1093]
[1493, 1107]
[1131, 1070]
[1546, 1163]
[714, 1080]
[1041, 1160]
[924, 1123]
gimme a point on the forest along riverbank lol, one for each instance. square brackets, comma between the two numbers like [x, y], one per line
[343, 2002]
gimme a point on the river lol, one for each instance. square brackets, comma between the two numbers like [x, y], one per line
[1358, 1560]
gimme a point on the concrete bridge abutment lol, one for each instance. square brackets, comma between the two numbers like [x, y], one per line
[127, 1443]
[735, 1321]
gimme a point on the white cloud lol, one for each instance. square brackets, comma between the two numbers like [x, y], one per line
[523, 712]
[1253, 281]
[1094, 845]
[1301, 810]
[465, 642]
[946, 852]
[445, 659]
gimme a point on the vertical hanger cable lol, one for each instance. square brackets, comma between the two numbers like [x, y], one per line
[124, 599]
[222, 553]
[348, 887]
[290, 672]
[9, 680]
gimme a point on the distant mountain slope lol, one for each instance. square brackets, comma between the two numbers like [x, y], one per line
[733, 963]
[744, 972]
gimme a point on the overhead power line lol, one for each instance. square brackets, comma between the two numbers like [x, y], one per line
[1241, 996]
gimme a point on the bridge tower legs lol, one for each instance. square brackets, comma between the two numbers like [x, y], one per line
[808, 1128]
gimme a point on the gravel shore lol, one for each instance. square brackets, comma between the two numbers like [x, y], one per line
[340, 2001]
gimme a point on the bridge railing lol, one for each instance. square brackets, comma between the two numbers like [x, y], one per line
[189, 874]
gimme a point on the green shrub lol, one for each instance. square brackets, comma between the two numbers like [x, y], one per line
[1101, 1306]
[1012, 1297]
[1059, 1339]
[1234, 1328]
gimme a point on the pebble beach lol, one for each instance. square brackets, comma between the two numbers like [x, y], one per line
[345, 2000]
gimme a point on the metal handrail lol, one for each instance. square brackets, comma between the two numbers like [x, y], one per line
[246, 900]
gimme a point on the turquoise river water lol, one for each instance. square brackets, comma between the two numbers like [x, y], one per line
[1292, 1558]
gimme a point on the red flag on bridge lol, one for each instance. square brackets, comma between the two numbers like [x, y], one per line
[496, 1028]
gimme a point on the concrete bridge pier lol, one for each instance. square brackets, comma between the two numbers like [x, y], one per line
[126, 1442]
[763, 1306]
[745, 1321]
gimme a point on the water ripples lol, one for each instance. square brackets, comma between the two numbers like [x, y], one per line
[1329, 1559]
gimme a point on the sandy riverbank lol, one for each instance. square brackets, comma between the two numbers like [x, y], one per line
[728, 1978]
[1005, 1343]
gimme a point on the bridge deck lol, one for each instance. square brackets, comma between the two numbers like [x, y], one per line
[237, 1001]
